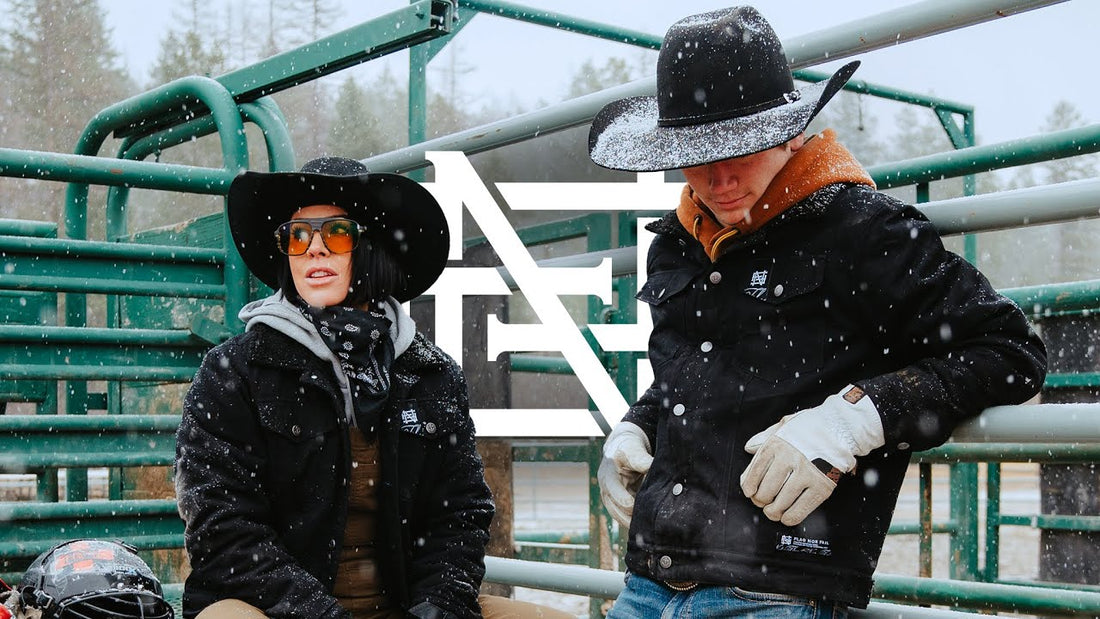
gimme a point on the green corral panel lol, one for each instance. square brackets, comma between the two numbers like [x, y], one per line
[26, 308]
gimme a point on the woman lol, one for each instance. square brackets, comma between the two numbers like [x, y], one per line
[326, 464]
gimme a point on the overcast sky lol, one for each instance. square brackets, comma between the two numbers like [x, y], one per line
[1013, 70]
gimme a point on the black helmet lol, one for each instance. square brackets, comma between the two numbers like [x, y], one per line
[93, 579]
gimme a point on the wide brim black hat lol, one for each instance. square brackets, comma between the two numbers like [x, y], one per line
[395, 211]
[724, 89]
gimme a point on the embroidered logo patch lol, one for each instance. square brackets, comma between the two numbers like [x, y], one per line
[410, 422]
[758, 285]
[853, 395]
[807, 545]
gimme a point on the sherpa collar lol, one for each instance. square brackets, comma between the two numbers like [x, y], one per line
[821, 161]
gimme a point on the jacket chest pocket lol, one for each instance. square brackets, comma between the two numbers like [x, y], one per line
[421, 439]
[674, 302]
[301, 429]
[783, 322]
[297, 415]
[662, 286]
[782, 284]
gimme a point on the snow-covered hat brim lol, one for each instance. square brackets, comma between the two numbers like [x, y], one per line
[626, 135]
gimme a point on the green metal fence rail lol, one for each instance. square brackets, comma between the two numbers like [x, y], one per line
[980, 596]
[887, 29]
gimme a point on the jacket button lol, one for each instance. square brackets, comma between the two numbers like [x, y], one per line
[296, 430]
[706, 347]
[665, 561]
[678, 410]
[715, 277]
[429, 428]
[678, 489]
[778, 290]
[903, 446]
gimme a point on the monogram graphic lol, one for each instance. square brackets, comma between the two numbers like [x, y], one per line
[410, 422]
[758, 285]
[458, 186]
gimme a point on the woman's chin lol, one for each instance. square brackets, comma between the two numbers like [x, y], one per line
[322, 298]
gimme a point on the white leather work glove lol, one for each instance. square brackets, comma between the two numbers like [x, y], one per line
[798, 461]
[626, 459]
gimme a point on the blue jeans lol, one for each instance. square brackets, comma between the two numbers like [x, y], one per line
[647, 599]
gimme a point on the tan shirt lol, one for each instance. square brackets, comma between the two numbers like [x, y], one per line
[358, 583]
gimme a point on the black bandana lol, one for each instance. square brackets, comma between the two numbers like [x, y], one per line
[361, 341]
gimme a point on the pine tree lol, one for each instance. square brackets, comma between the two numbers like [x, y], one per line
[856, 126]
[1050, 253]
[352, 134]
[307, 107]
[590, 78]
[194, 47]
[190, 51]
[1077, 247]
[1065, 115]
[59, 70]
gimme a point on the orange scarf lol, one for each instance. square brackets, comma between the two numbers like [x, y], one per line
[821, 161]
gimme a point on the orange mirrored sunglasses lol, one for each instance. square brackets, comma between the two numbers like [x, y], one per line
[339, 234]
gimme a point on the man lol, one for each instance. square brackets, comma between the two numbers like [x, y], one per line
[809, 334]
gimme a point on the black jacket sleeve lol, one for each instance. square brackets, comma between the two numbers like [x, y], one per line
[234, 550]
[961, 346]
[644, 413]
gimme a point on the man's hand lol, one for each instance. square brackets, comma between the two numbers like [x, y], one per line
[797, 461]
[626, 459]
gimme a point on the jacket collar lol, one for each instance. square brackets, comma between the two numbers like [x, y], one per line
[274, 348]
[821, 162]
[271, 347]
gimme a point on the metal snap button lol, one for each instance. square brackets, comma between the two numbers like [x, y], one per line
[678, 409]
[715, 277]
[706, 347]
[296, 430]
[903, 446]
[678, 489]
[665, 561]
[778, 290]
[429, 428]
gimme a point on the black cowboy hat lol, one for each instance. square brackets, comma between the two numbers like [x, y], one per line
[395, 210]
[724, 89]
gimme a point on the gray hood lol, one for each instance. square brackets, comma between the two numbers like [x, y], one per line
[279, 314]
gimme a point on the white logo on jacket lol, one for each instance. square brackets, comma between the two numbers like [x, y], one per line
[758, 285]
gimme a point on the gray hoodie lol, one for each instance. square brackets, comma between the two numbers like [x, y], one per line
[279, 314]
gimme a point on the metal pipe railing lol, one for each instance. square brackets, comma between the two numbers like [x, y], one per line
[890, 94]
[608, 584]
[113, 172]
[561, 21]
[1034, 423]
[1019, 207]
[987, 596]
[900, 25]
[883, 30]
[1082, 140]
[1060, 202]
